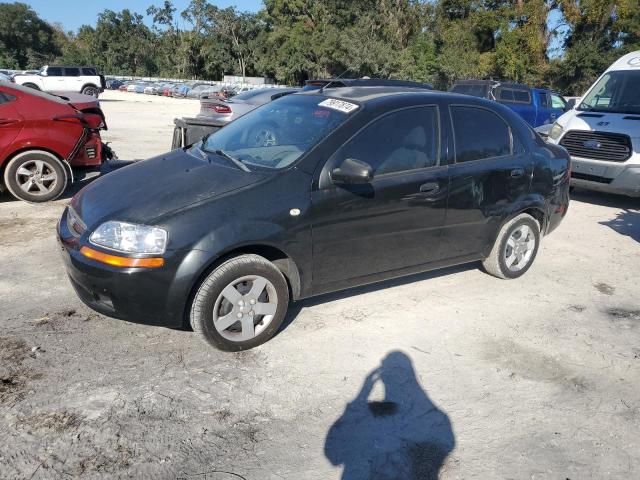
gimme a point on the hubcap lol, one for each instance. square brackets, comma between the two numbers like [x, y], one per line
[36, 177]
[245, 308]
[519, 248]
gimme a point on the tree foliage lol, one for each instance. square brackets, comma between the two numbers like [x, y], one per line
[437, 41]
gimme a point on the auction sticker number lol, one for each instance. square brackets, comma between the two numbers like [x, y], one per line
[340, 105]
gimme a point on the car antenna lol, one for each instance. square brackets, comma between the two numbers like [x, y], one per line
[332, 80]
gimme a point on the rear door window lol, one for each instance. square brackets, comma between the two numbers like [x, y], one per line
[506, 95]
[544, 99]
[479, 133]
[521, 96]
[72, 71]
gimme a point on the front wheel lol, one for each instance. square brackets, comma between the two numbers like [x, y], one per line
[515, 248]
[35, 176]
[241, 304]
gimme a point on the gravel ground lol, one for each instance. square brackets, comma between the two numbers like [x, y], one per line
[452, 374]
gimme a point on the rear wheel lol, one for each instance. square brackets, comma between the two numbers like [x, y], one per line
[241, 304]
[90, 90]
[35, 176]
[515, 248]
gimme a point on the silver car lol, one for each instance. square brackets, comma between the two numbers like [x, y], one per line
[227, 110]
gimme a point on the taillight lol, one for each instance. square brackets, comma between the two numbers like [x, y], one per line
[220, 108]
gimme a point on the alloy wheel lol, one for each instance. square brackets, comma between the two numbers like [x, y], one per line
[245, 308]
[36, 177]
[519, 248]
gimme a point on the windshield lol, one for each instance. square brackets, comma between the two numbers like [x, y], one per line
[276, 134]
[475, 90]
[615, 92]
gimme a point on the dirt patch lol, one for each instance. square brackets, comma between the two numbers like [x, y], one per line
[56, 421]
[625, 319]
[525, 362]
[577, 308]
[14, 230]
[57, 319]
[604, 288]
[14, 376]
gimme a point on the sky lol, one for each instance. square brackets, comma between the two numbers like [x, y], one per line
[74, 13]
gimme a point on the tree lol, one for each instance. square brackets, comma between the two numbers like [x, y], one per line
[26, 41]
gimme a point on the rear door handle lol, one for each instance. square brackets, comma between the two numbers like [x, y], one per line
[517, 172]
[8, 121]
[430, 187]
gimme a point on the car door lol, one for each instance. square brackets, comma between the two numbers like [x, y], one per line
[73, 82]
[491, 172]
[54, 80]
[393, 222]
[11, 122]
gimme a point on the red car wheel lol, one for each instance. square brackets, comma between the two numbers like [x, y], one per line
[35, 176]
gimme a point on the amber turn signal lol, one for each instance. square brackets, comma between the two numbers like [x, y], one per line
[124, 262]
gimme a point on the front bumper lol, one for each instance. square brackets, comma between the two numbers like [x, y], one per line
[608, 177]
[153, 296]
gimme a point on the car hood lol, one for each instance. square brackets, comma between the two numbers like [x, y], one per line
[146, 190]
[625, 123]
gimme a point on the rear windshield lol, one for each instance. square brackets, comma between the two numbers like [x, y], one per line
[278, 133]
[475, 90]
[615, 92]
[33, 91]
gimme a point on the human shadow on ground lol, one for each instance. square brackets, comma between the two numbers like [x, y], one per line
[403, 437]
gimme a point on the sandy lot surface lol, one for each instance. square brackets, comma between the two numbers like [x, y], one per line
[455, 373]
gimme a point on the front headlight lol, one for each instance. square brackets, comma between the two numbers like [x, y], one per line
[130, 238]
[555, 132]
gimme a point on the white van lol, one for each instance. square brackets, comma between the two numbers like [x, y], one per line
[602, 133]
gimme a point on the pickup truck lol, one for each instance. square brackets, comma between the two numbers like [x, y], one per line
[538, 106]
[64, 78]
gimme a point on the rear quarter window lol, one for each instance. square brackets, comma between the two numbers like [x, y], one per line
[479, 134]
[89, 71]
[72, 71]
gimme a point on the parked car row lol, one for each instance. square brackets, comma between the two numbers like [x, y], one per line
[193, 89]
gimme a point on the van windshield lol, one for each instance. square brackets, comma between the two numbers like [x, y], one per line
[276, 134]
[615, 92]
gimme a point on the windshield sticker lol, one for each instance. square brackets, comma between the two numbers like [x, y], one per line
[339, 105]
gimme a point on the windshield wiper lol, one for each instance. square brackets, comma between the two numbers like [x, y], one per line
[235, 161]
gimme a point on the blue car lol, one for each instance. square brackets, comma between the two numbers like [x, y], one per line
[538, 106]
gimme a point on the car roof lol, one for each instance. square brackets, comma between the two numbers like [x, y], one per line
[365, 94]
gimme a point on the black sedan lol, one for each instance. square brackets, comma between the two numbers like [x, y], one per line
[311, 193]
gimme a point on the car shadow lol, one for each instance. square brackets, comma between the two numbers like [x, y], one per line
[404, 436]
[605, 199]
[626, 222]
[296, 307]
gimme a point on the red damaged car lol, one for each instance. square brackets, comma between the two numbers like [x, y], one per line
[44, 138]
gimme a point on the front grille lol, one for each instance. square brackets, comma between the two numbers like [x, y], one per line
[591, 178]
[610, 147]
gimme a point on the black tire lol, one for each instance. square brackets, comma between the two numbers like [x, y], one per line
[90, 90]
[209, 296]
[53, 168]
[496, 263]
[31, 85]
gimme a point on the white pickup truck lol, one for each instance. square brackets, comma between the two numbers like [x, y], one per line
[64, 78]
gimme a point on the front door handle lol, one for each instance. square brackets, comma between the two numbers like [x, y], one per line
[8, 121]
[430, 188]
[517, 173]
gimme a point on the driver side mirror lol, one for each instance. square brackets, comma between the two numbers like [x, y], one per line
[352, 172]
